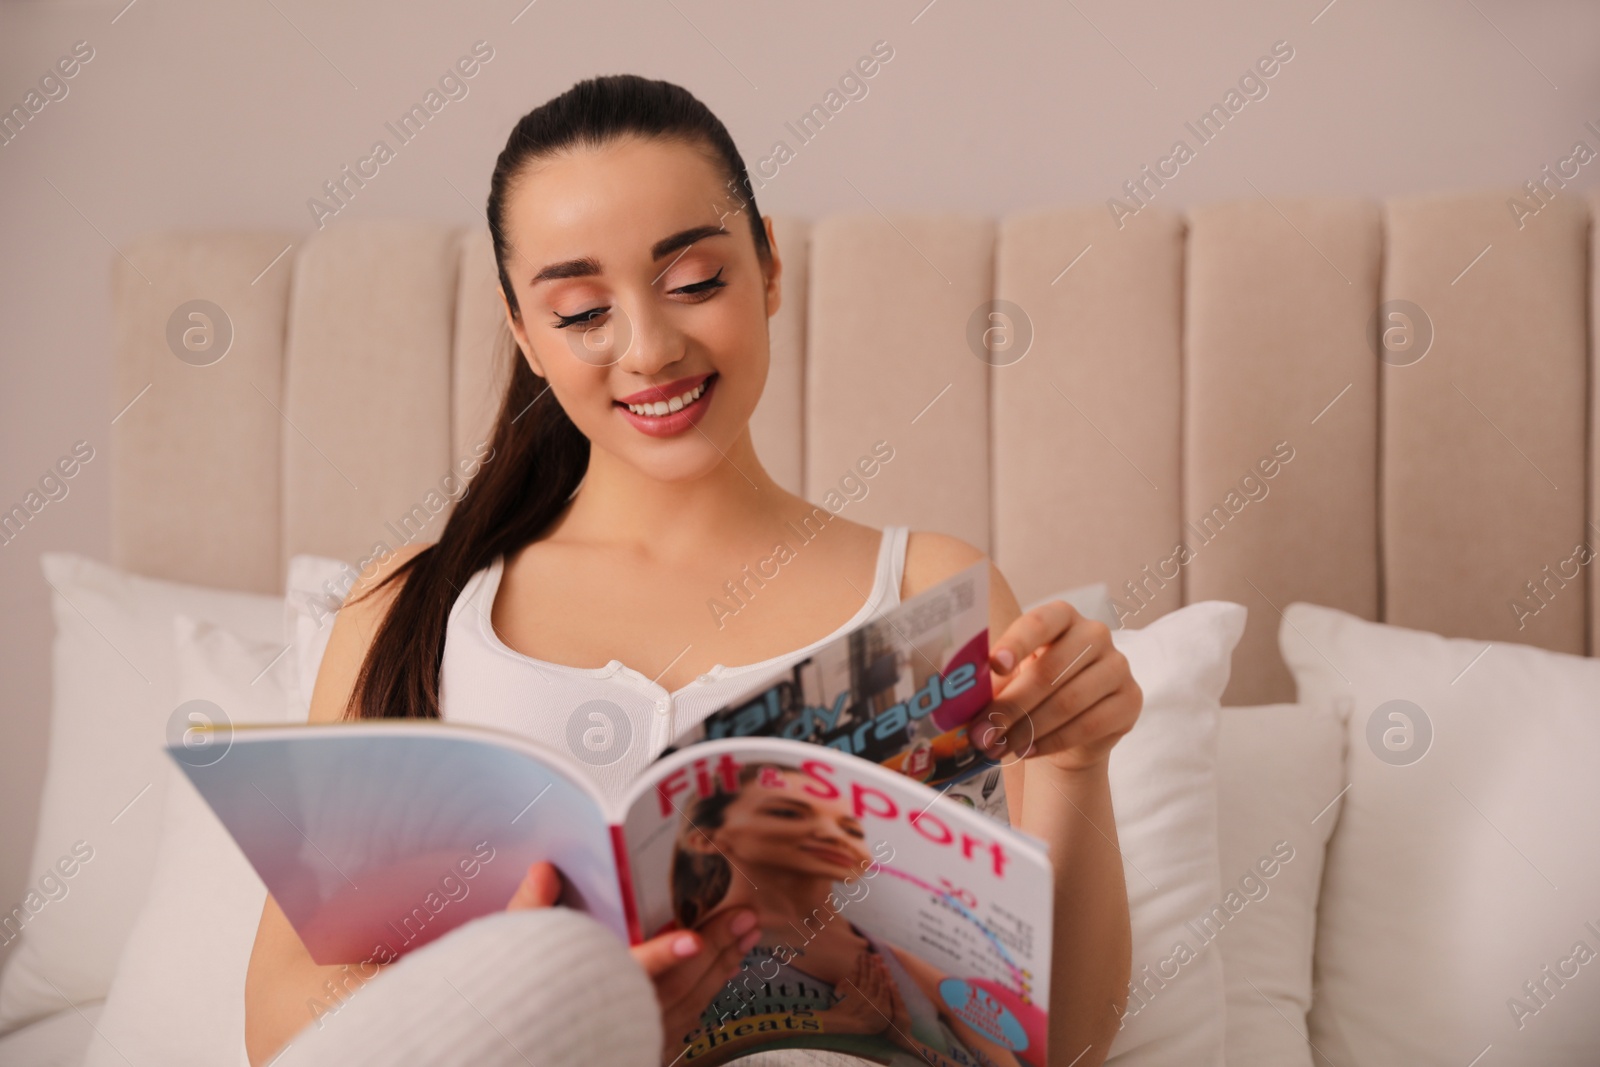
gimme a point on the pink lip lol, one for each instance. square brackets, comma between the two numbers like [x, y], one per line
[662, 393]
[678, 421]
[830, 855]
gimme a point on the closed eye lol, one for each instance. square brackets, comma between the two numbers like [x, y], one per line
[713, 282]
[707, 287]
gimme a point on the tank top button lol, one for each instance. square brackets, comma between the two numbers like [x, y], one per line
[663, 705]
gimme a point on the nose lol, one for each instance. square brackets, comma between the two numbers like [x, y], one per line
[832, 835]
[647, 340]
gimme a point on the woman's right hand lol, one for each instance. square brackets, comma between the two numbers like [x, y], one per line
[690, 967]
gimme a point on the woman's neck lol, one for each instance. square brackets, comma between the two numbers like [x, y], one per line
[786, 898]
[736, 502]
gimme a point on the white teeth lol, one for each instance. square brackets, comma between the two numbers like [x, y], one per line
[677, 403]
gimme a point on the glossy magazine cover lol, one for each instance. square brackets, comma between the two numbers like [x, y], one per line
[896, 923]
[904, 689]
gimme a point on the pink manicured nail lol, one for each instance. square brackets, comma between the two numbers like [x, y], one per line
[1005, 659]
[685, 946]
[745, 921]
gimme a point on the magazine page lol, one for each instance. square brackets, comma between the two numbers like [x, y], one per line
[376, 837]
[897, 924]
[900, 690]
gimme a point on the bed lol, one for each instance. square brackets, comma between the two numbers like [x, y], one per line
[1076, 397]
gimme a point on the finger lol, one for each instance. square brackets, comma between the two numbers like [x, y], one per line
[539, 888]
[878, 984]
[1106, 720]
[869, 984]
[866, 973]
[1082, 644]
[721, 937]
[660, 954]
[1058, 710]
[891, 989]
[689, 992]
[1028, 631]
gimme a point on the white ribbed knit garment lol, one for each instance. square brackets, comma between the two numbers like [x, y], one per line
[550, 987]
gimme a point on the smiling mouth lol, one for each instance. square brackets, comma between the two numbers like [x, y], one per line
[829, 855]
[662, 408]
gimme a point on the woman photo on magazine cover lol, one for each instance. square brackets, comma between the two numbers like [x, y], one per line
[796, 847]
[617, 493]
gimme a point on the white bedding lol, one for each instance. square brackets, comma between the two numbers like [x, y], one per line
[57, 1040]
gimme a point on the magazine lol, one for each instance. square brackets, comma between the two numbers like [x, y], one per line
[903, 919]
[897, 923]
[900, 690]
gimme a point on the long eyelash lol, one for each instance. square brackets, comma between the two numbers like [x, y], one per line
[574, 320]
[713, 282]
[709, 285]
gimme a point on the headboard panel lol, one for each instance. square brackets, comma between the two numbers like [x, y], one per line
[1484, 467]
[1167, 359]
[887, 359]
[1087, 420]
[196, 451]
[1279, 297]
[368, 397]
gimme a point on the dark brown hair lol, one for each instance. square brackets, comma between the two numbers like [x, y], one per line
[700, 880]
[539, 456]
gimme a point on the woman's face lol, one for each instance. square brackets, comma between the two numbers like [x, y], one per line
[629, 294]
[774, 822]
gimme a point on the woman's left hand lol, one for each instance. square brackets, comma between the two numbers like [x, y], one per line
[1062, 691]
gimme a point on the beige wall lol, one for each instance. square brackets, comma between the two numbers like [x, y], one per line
[201, 115]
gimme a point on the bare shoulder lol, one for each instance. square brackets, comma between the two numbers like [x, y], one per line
[354, 627]
[932, 557]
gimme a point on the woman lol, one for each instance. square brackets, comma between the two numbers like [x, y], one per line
[620, 493]
[811, 958]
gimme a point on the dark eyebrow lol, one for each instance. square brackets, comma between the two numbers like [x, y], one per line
[588, 265]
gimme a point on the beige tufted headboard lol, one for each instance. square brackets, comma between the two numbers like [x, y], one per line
[1169, 365]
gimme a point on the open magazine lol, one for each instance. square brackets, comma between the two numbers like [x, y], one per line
[899, 921]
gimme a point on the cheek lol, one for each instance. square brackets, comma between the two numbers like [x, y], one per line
[584, 391]
[751, 843]
[736, 338]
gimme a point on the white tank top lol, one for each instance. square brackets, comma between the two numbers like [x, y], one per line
[612, 719]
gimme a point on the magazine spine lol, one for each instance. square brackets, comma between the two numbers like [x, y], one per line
[630, 908]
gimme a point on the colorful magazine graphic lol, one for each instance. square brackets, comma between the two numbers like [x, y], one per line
[897, 923]
[903, 919]
[902, 689]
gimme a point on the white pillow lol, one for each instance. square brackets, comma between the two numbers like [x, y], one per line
[56, 1040]
[1163, 790]
[317, 587]
[1279, 768]
[1465, 860]
[178, 996]
[113, 690]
